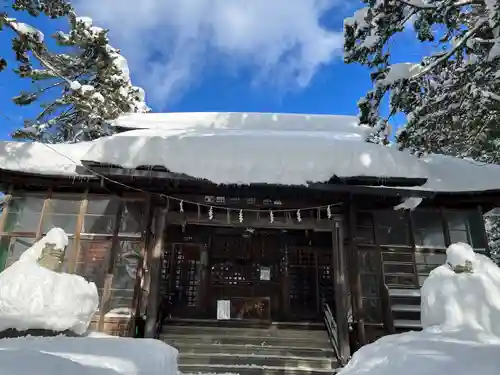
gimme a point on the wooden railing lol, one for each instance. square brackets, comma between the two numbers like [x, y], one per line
[387, 316]
[331, 326]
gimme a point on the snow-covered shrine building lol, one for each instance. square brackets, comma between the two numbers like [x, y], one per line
[246, 220]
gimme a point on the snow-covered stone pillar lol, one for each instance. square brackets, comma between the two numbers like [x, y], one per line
[154, 267]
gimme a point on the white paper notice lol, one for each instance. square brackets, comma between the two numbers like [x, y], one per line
[265, 273]
[223, 310]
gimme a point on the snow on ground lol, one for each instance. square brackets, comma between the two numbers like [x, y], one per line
[86, 356]
[461, 320]
[34, 297]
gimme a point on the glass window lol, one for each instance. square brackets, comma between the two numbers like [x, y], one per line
[24, 213]
[62, 212]
[428, 228]
[364, 229]
[132, 218]
[369, 261]
[101, 215]
[17, 246]
[372, 310]
[124, 276]
[369, 285]
[392, 228]
[466, 226]
[92, 262]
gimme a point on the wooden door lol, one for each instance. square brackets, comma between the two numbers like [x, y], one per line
[245, 269]
[183, 277]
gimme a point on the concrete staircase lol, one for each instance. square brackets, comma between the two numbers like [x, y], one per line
[273, 350]
[405, 306]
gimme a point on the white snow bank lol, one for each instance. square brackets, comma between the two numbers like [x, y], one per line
[86, 356]
[460, 315]
[251, 148]
[33, 297]
[453, 300]
[430, 352]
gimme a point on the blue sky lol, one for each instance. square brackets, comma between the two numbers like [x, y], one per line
[221, 55]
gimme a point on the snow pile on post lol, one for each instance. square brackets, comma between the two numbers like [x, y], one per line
[34, 296]
[86, 356]
[460, 315]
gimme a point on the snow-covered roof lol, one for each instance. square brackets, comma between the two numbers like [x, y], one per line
[241, 121]
[229, 149]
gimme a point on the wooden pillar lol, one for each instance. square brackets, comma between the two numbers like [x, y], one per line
[446, 229]
[139, 279]
[203, 290]
[3, 221]
[487, 249]
[75, 254]
[154, 261]
[340, 279]
[355, 278]
[6, 203]
[108, 281]
[45, 208]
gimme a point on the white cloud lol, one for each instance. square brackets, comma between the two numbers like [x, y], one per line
[168, 42]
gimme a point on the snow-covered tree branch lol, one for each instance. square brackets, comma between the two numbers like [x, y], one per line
[456, 88]
[91, 83]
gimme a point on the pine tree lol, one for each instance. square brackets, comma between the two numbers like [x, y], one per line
[91, 81]
[456, 88]
[451, 98]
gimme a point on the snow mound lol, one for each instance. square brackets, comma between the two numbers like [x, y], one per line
[454, 300]
[34, 297]
[460, 315]
[86, 356]
[429, 352]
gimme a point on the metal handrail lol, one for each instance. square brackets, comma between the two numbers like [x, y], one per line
[332, 328]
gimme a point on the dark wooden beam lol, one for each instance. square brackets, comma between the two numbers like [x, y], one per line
[355, 278]
[341, 304]
[137, 305]
[75, 254]
[155, 260]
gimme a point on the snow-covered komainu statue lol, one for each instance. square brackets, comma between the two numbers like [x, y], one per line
[36, 295]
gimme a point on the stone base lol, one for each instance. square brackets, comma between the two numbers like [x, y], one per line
[114, 326]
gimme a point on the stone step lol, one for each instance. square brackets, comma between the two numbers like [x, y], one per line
[411, 324]
[237, 360]
[401, 292]
[252, 370]
[319, 342]
[244, 332]
[253, 349]
[406, 308]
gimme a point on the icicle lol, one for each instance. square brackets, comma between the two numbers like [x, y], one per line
[299, 216]
[271, 216]
[241, 216]
[211, 213]
[329, 212]
[181, 206]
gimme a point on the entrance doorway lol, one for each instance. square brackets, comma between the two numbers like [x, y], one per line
[250, 275]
